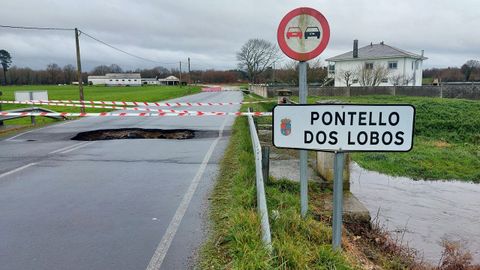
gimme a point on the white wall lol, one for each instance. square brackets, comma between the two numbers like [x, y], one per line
[96, 81]
[404, 68]
[123, 82]
[113, 82]
[150, 82]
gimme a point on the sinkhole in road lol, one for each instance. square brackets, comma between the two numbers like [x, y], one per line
[140, 133]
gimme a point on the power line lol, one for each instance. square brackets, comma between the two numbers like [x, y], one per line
[37, 28]
[122, 51]
[88, 35]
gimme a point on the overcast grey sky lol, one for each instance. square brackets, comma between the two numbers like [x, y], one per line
[210, 32]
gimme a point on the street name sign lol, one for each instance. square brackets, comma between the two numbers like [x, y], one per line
[303, 33]
[344, 127]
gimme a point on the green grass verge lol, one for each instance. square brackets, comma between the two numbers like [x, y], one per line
[446, 144]
[70, 92]
[236, 243]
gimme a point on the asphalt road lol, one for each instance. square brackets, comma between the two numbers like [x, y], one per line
[118, 204]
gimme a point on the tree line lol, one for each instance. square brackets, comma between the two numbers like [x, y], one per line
[468, 72]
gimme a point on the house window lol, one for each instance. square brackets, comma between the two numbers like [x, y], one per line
[384, 80]
[123, 80]
[392, 65]
[368, 65]
[111, 80]
[129, 80]
[116, 80]
[135, 80]
[355, 81]
[416, 65]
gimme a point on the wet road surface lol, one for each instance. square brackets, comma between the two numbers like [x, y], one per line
[118, 204]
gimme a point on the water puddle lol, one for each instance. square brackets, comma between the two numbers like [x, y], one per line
[423, 212]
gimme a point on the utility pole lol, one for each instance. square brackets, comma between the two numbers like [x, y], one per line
[189, 78]
[79, 70]
[180, 73]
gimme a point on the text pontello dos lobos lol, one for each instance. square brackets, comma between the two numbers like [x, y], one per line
[360, 137]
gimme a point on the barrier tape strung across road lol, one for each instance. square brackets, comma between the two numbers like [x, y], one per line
[142, 114]
[138, 103]
[212, 89]
[96, 106]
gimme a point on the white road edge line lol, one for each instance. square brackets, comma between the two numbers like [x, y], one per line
[35, 129]
[75, 148]
[17, 169]
[67, 147]
[162, 248]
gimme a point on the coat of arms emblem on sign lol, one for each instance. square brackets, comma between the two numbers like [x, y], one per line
[286, 126]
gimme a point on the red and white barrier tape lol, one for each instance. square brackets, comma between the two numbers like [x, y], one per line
[211, 89]
[141, 103]
[143, 114]
[95, 106]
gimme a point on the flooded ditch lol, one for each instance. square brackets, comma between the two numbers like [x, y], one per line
[422, 213]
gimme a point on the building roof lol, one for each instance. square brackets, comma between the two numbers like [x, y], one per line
[96, 77]
[375, 51]
[169, 78]
[123, 76]
[117, 76]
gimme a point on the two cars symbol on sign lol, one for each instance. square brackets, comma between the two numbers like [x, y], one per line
[296, 32]
[303, 34]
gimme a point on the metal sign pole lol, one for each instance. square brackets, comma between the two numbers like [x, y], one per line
[303, 93]
[338, 200]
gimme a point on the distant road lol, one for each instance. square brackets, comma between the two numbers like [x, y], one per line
[118, 204]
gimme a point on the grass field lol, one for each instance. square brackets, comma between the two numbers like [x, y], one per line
[446, 144]
[70, 92]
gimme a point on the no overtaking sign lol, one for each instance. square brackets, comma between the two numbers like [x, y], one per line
[303, 33]
[344, 127]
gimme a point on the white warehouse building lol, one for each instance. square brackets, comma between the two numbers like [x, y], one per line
[377, 65]
[116, 79]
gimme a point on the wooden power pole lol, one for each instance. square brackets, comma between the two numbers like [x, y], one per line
[79, 69]
[180, 73]
[189, 78]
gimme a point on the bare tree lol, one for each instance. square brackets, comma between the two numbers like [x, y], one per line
[104, 69]
[316, 72]
[114, 68]
[347, 76]
[54, 73]
[396, 79]
[288, 72]
[69, 73]
[469, 67]
[371, 76]
[255, 56]
[408, 79]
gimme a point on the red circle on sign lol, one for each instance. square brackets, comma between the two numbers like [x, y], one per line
[325, 37]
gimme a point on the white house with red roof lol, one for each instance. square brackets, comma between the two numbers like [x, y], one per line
[395, 66]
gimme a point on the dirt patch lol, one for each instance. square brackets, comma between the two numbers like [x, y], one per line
[138, 133]
[441, 144]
